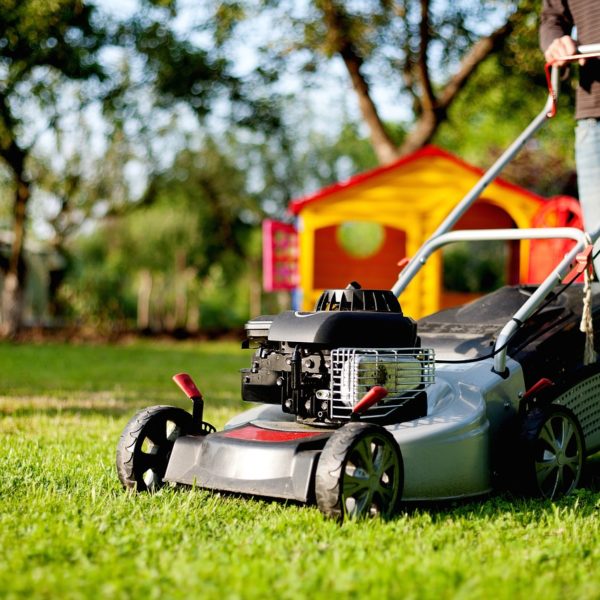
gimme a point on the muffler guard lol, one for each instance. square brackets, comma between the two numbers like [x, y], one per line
[255, 460]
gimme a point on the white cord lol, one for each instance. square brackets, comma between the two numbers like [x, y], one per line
[586, 325]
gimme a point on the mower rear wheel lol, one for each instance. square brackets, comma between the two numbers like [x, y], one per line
[554, 452]
[146, 443]
[360, 473]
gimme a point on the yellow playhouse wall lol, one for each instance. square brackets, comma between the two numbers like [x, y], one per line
[415, 198]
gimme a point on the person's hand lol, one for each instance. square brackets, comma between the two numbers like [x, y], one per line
[560, 47]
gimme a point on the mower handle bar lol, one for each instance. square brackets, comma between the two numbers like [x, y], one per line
[414, 265]
[538, 297]
[436, 240]
[542, 292]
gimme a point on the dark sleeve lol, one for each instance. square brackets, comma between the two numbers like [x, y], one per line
[556, 21]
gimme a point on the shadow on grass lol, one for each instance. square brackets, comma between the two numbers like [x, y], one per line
[591, 473]
[584, 499]
[73, 410]
[490, 507]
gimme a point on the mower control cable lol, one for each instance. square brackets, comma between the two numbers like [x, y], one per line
[551, 298]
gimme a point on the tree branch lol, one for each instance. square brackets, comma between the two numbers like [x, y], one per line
[428, 99]
[430, 120]
[478, 53]
[384, 147]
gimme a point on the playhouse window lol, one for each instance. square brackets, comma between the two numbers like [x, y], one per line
[360, 239]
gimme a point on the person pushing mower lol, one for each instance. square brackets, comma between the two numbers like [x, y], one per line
[559, 18]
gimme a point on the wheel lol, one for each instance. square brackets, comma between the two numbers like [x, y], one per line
[554, 451]
[360, 473]
[146, 443]
[559, 211]
[544, 255]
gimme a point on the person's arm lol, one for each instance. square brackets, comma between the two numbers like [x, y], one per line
[555, 30]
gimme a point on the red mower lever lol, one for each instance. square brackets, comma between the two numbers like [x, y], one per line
[187, 386]
[583, 260]
[373, 396]
[403, 262]
[538, 386]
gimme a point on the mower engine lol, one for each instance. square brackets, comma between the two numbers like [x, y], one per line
[319, 365]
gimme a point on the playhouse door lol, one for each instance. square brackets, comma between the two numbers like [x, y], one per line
[365, 252]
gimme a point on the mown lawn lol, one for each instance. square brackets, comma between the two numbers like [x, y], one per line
[67, 530]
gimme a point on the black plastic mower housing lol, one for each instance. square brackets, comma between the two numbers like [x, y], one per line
[360, 329]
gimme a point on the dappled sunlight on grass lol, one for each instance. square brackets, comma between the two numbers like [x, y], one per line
[138, 372]
[69, 530]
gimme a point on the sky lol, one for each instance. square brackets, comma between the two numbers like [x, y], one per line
[326, 96]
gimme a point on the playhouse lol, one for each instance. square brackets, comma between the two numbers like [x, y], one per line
[360, 229]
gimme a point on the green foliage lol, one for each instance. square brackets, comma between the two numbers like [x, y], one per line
[190, 233]
[68, 530]
[180, 71]
[207, 188]
[501, 99]
[475, 267]
[96, 290]
[60, 34]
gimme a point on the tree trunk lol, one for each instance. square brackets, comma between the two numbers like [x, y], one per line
[341, 41]
[432, 106]
[143, 300]
[382, 143]
[192, 324]
[435, 109]
[12, 307]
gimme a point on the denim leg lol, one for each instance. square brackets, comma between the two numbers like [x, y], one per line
[587, 157]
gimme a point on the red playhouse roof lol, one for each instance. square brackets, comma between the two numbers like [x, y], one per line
[296, 206]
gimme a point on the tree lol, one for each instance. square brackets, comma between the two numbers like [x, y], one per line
[42, 43]
[191, 228]
[428, 50]
[45, 46]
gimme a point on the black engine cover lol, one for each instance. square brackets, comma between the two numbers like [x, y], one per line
[346, 329]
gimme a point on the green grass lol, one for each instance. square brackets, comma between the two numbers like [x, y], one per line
[67, 529]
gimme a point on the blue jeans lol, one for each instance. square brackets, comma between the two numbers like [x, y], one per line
[587, 158]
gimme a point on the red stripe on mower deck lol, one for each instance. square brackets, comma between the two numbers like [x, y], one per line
[258, 434]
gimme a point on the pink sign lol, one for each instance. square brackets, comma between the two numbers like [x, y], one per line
[280, 256]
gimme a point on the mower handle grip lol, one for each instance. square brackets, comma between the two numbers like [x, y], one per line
[589, 49]
[552, 70]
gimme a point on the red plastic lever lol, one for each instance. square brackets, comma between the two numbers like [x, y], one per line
[373, 396]
[543, 383]
[403, 262]
[187, 385]
[582, 260]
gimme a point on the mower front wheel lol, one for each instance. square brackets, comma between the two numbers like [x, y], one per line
[146, 443]
[360, 473]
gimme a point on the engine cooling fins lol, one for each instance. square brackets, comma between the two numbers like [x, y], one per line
[354, 298]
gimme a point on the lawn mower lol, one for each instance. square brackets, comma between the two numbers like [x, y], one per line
[358, 407]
